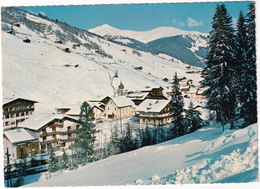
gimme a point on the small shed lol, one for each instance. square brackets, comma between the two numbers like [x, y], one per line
[67, 50]
[58, 41]
[76, 45]
[26, 40]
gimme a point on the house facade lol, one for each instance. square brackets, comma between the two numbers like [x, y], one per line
[53, 130]
[20, 143]
[154, 112]
[16, 111]
[119, 108]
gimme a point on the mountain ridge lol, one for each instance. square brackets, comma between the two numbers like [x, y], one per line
[188, 46]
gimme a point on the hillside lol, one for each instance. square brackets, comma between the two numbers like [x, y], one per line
[188, 46]
[41, 71]
[205, 156]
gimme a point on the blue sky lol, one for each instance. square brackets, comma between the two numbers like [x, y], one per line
[141, 17]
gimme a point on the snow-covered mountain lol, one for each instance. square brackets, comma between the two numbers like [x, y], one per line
[205, 156]
[42, 71]
[188, 46]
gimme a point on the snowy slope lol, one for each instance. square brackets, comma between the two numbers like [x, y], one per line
[205, 156]
[41, 71]
[144, 36]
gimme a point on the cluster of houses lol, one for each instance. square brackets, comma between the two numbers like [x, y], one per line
[27, 133]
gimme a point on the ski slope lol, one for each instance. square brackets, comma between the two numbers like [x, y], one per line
[205, 156]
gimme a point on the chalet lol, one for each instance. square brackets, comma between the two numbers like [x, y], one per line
[17, 24]
[155, 93]
[165, 79]
[20, 143]
[53, 130]
[137, 97]
[76, 45]
[74, 110]
[138, 68]
[67, 50]
[118, 108]
[58, 41]
[27, 41]
[154, 112]
[16, 111]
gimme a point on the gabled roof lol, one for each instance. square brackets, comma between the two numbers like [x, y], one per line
[12, 100]
[37, 121]
[137, 95]
[18, 135]
[152, 105]
[122, 101]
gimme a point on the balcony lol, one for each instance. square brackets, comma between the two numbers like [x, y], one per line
[67, 132]
[49, 141]
[68, 139]
[48, 134]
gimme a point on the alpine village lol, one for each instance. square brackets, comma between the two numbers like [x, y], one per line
[49, 129]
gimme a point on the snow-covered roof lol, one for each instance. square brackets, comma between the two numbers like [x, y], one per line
[8, 100]
[122, 101]
[152, 105]
[138, 95]
[35, 122]
[18, 135]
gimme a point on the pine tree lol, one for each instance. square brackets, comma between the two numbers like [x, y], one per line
[220, 67]
[53, 166]
[193, 120]
[64, 160]
[147, 137]
[248, 96]
[87, 131]
[177, 108]
[114, 144]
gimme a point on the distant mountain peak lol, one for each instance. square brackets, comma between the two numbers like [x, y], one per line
[142, 36]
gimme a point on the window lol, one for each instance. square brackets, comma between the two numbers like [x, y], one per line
[69, 128]
[69, 135]
[44, 138]
[54, 136]
[63, 144]
[53, 129]
[77, 127]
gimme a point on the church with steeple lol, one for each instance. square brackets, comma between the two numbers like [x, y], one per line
[121, 89]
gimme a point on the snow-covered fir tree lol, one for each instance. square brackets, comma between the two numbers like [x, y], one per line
[177, 108]
[53, 162]
[114, 143]
[87, 131]
[248, 96]
[193, 120]
[64, 160]
[219, 72]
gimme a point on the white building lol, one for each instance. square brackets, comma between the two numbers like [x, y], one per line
[53, 130]
[20, 143]
[118, 108]
[154, 112]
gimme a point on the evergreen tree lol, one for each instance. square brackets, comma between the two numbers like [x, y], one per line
[177, 108]
[87, 131]
[147, 137]
[248, 96]
[114, 144]
[53, 166]
[220, 67]
[193, 120]
[64, 160]
[127, 142]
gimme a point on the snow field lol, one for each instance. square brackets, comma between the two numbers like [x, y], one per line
[183, 160]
